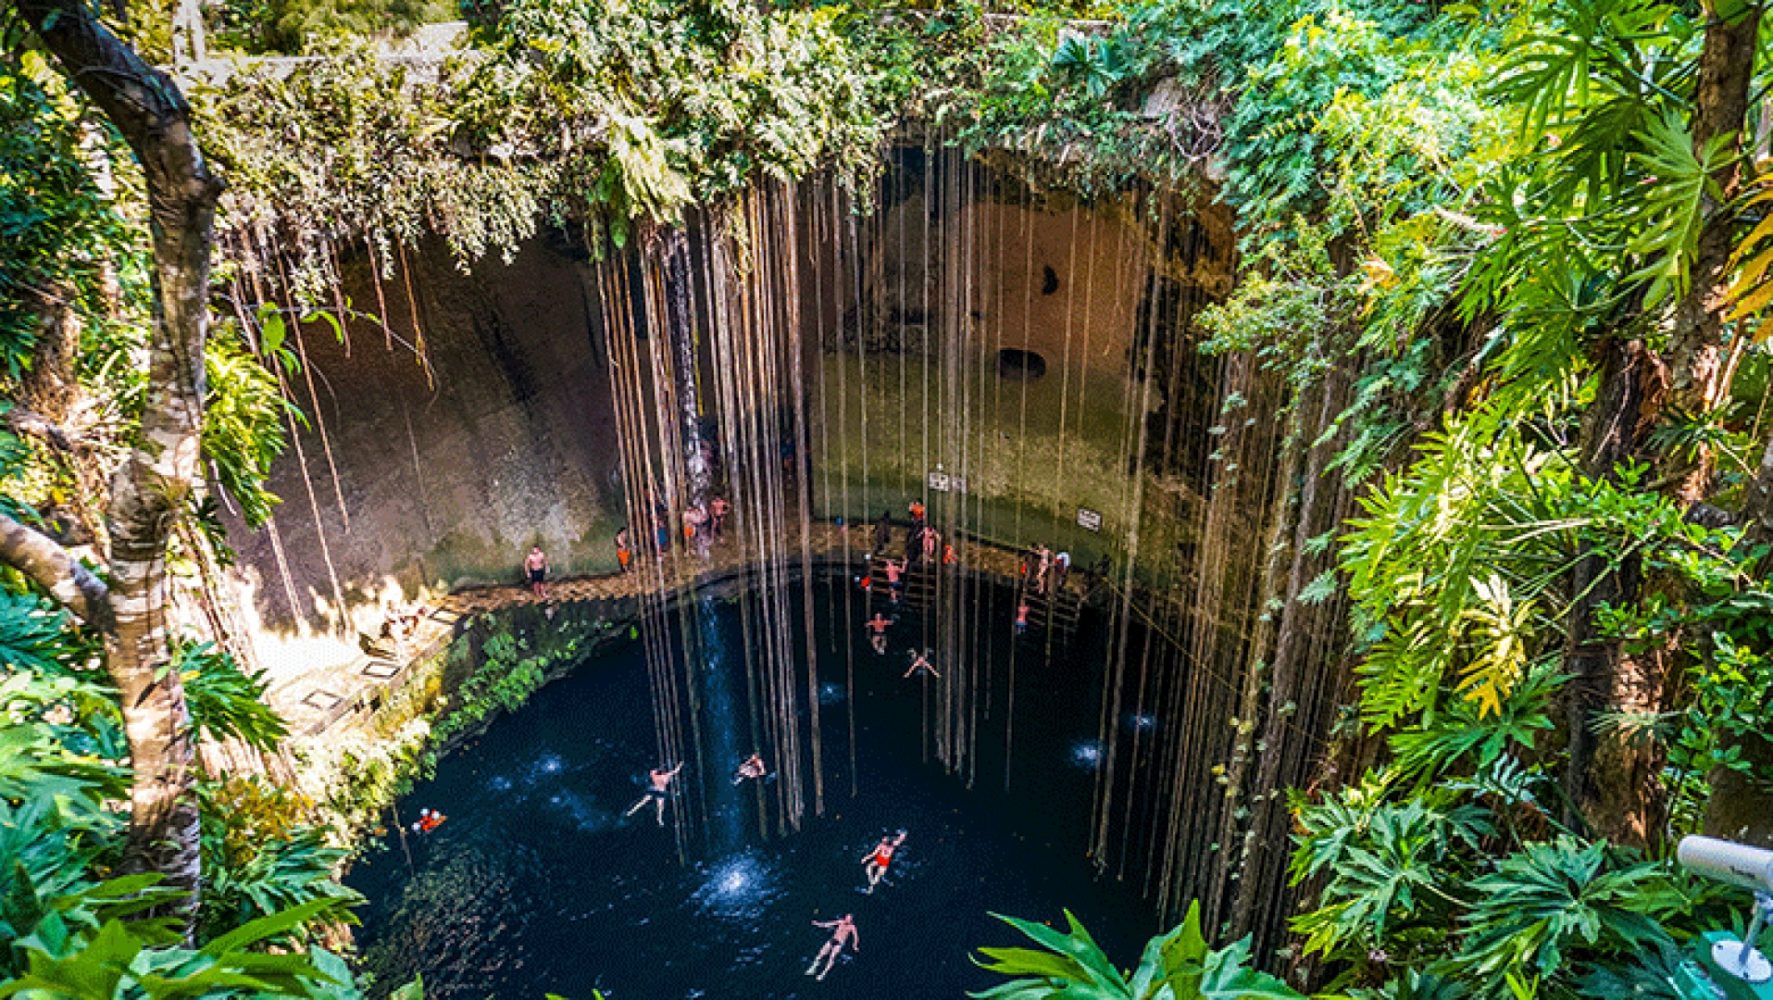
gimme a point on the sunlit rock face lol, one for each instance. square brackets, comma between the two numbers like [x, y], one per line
[447, 472]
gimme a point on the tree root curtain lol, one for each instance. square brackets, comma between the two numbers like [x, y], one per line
[1024, 366]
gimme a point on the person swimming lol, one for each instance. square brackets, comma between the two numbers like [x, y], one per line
[657, 791]
[751, 769]
[921, 661]
[429, 819]
[877, 627]
[843, 931]
[876, 862]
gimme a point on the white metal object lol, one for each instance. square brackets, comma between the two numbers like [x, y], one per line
[1739, 960]
[1734, 864]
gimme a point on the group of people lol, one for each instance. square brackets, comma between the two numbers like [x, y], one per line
[875, 863]
[429, 819]
[843, 930]
[922, 540]
[400, 621]
[701, 524]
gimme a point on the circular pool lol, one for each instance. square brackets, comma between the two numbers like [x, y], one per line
[538, 883]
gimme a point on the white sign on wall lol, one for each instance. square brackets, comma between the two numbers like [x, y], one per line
[1089, 520]
[942, 482]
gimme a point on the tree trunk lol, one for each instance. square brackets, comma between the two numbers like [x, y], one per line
[155, 480]
[1614, 777]
[1741, 806]
[1695, 352]
[1612, 431]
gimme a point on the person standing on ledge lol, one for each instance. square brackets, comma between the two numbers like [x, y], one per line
[535, 566]
[624, 554]
[843, 931]
[718, 509]
[883, 532]
[658, 789]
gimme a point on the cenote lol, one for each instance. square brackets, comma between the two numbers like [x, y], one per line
[538, 883]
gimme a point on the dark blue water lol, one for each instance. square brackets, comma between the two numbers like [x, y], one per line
[538, 884]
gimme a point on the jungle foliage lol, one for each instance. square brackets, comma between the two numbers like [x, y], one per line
[1470, 210]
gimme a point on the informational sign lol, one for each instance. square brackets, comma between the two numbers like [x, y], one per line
[941, 482]
[1089, 520]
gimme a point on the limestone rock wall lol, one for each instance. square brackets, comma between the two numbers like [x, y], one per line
[447, 475]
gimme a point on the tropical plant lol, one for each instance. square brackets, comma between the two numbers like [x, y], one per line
[1178, 965]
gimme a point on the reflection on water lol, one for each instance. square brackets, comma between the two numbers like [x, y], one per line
[538, 883]
[1086, 754]
[739, 888]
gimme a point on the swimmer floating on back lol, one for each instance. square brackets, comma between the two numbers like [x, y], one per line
[921, 661]
[876, 862]
[657, 791]
[843, 931]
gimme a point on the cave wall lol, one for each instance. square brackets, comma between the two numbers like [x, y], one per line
[447, 476]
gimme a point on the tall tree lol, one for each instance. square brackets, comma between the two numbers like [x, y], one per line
[1614, 776]
[158, 473]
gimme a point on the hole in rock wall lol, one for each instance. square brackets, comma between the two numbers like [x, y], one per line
[1021, 366]
[1049, 279]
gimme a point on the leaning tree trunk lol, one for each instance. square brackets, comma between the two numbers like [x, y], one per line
[156, 477]
[1617, 787]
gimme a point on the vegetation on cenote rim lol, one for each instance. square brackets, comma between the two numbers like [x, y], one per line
[1526, 244]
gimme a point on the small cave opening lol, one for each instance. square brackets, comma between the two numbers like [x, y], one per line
[1018, 365]
[1049, 279]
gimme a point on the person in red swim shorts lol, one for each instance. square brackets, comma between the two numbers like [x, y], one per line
[877, 861]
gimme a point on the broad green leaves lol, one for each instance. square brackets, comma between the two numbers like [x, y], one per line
[1178, 965]
[224, 700]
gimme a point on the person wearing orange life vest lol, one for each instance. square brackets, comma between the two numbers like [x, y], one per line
[429, 819]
